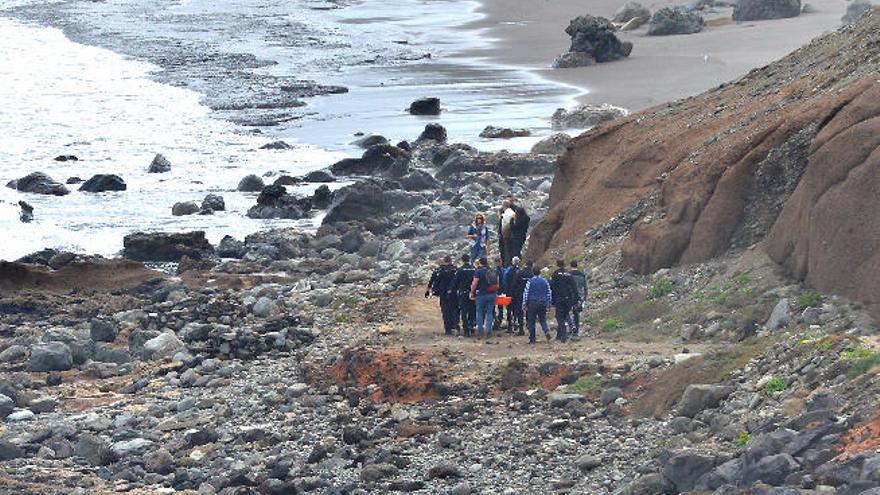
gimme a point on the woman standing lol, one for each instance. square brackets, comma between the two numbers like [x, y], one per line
[478, 234]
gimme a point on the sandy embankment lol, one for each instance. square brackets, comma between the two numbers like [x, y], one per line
[661, 68]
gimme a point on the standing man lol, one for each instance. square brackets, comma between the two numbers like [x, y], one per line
[519, 286]
[564, 297]
[484, 289]
[580, 283]
[519, 230]
[441, 285]
[537, 295]
[461, 284]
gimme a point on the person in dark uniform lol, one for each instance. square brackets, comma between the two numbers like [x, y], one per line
[519, 286]
[461, 285]
[441, 285]
[564, 297]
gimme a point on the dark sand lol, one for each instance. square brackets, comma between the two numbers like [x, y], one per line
[661, 68]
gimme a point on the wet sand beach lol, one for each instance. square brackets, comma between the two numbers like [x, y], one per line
[661, 68]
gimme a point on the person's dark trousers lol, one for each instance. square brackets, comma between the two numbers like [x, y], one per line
[575, 320]
[518, 319]
[562, 311]
[536, 311]
[449, 308]
[468, 313]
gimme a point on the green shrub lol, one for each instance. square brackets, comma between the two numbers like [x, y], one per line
[744, 439]
[775, 385]
[599, 294]
[611, 324]
[342, 318]
[856, 353]
[825, 345]
[660, 288]
[863, 365]
[807, 300]
[585, 384]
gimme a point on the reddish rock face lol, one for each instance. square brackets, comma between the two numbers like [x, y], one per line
[787, 156]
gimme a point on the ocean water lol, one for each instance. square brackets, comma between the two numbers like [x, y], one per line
[106, 105]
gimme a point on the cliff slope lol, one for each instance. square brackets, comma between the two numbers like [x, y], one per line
[786, 157]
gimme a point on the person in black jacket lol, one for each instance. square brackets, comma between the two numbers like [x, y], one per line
[519, 230]
[441, 285]
[519, 286]
[461, 285]
[564, 297]
[580, 281]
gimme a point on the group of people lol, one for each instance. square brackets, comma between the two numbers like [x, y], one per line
[469, 293]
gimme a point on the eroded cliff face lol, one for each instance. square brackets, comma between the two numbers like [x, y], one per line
[786, 157]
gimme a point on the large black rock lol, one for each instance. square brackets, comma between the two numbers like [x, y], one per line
[360, 201]
[38, 183]
[425, 106]
[383, 160]
[675, 20]
[756, 10]
[163, 246]
[274, 202]
[592, 41]
[103, 182]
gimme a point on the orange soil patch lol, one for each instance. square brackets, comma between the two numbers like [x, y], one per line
[400, 376]
[862, 438]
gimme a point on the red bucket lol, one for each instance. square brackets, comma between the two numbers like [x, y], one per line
[503, 301]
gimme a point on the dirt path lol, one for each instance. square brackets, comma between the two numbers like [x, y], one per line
[420, 328]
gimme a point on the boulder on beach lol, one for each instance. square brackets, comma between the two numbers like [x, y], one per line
[552, 145]
[371, 140]
[757, 10]
[425, 106]
[251, 183]
[493, 132]
[74, 180]
[274, 202]
[433, 132]
[66, 158]
[360, 201]
[276, 145]
[629, 11]
[592, 41]
[319, 176]
[585, 116]
[26, 215]
[184, 208]
[212, 203]
[230, 247]
[38, 183]
[322, 197]
[51, 356]
[159, 165]
[675, 20]
[164, 246]
[383, 160]
[855, 10]
[419, 180]
[103, 182]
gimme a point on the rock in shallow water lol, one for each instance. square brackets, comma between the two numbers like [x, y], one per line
[159, 165]
[592, 41]
[38, 183]
[755, 10]
[161, 246]
[425, 106]
[102, 183]
[250, 183]
[184, 208]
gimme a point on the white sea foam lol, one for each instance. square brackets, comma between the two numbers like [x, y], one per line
[60, 97]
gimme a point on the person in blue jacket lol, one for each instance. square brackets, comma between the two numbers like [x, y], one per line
[536, 299]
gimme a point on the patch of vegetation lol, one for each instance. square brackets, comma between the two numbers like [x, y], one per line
[599, 294]
[856, 352]
[775, 385]
[743, 285]
[611, 324]
[825, 345]
[660, 288]
[342, 318]
[860, 366]
[745, 438]
[807, 300]
[585, 384]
